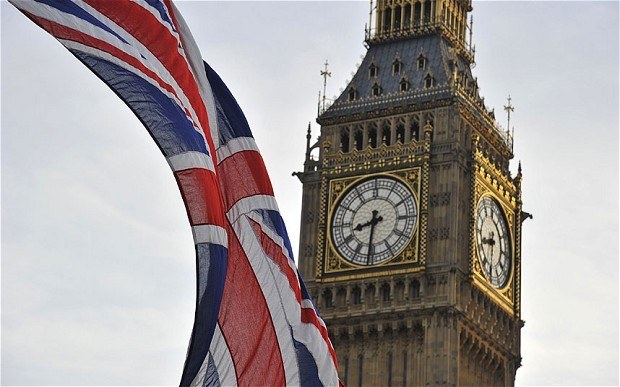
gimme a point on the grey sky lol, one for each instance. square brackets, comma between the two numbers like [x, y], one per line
[97, 257]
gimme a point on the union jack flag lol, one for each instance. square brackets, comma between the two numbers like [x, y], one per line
[255, 323]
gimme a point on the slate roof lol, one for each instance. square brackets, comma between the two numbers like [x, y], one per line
[439, 57]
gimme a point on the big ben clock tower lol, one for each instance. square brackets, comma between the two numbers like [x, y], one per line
[411, 221]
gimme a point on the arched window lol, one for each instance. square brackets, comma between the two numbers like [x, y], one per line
[415, 289]
[341, 297]
[387, 24]
[357, 295]
[328, 299]
[385, 292]
[417, 10]
[372, 137]
[376, 90]
[386, 134]
[421, 62]
[369, 294]
[427, 11]
[407, 16]
[397, 12]
[429, 81]
[400, 132]
[352, 94]
[344, 140]
[414, 130]
[404, 85]
[396, 66]
[373, 71]
[359, 139]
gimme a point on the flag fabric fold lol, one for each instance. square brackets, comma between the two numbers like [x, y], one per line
[255, 323]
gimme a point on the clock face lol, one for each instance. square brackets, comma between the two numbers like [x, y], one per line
[374, 221]
[493, 242]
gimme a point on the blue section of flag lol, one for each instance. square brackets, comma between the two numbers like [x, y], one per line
[230, 119]
[308, 371]
[212, 379]
[211, 268]
[274, 221]
[159, 6]
[171, 129]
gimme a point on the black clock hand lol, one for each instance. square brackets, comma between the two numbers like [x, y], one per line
[371, 249]
[373, 222]
[360, 226]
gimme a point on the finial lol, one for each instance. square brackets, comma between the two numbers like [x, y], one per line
[509, 108]
[519, 169]
[308, 138]
[325, 73]
[327, 144]
[370, 20]
[428, 129]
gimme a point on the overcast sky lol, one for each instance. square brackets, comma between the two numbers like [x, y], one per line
[98, 282]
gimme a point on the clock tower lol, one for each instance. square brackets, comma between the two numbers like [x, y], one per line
[411, 220]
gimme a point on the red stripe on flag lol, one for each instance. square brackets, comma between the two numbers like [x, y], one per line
[60, 31]
[242, 175]
[308, 316]
[201, 196]
[158, 39]
[246, 324]
[274, 251]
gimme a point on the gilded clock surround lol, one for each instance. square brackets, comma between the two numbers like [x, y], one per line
[502, 218]
[489, 180]
[334, 262]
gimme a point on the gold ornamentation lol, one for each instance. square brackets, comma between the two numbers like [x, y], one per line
[485, 182]
[412, 254]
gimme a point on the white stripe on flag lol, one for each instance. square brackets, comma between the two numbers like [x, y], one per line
[209, 233]
[121, 63]
[189, 160]
[251, 203]
[235, 145]
[278, 295]
[305, 303]
[196, 65]
[305, 333]
[222, 359]
[151, 61]
[278, 240]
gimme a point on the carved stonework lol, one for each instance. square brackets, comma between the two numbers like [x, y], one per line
[426, 315]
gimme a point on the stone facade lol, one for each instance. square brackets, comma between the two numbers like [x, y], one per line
[429, 315]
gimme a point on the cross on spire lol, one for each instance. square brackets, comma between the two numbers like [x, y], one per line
[325, 73]
[509, 108]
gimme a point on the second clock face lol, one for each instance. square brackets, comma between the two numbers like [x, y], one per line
[493, 242]
[374, 221]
